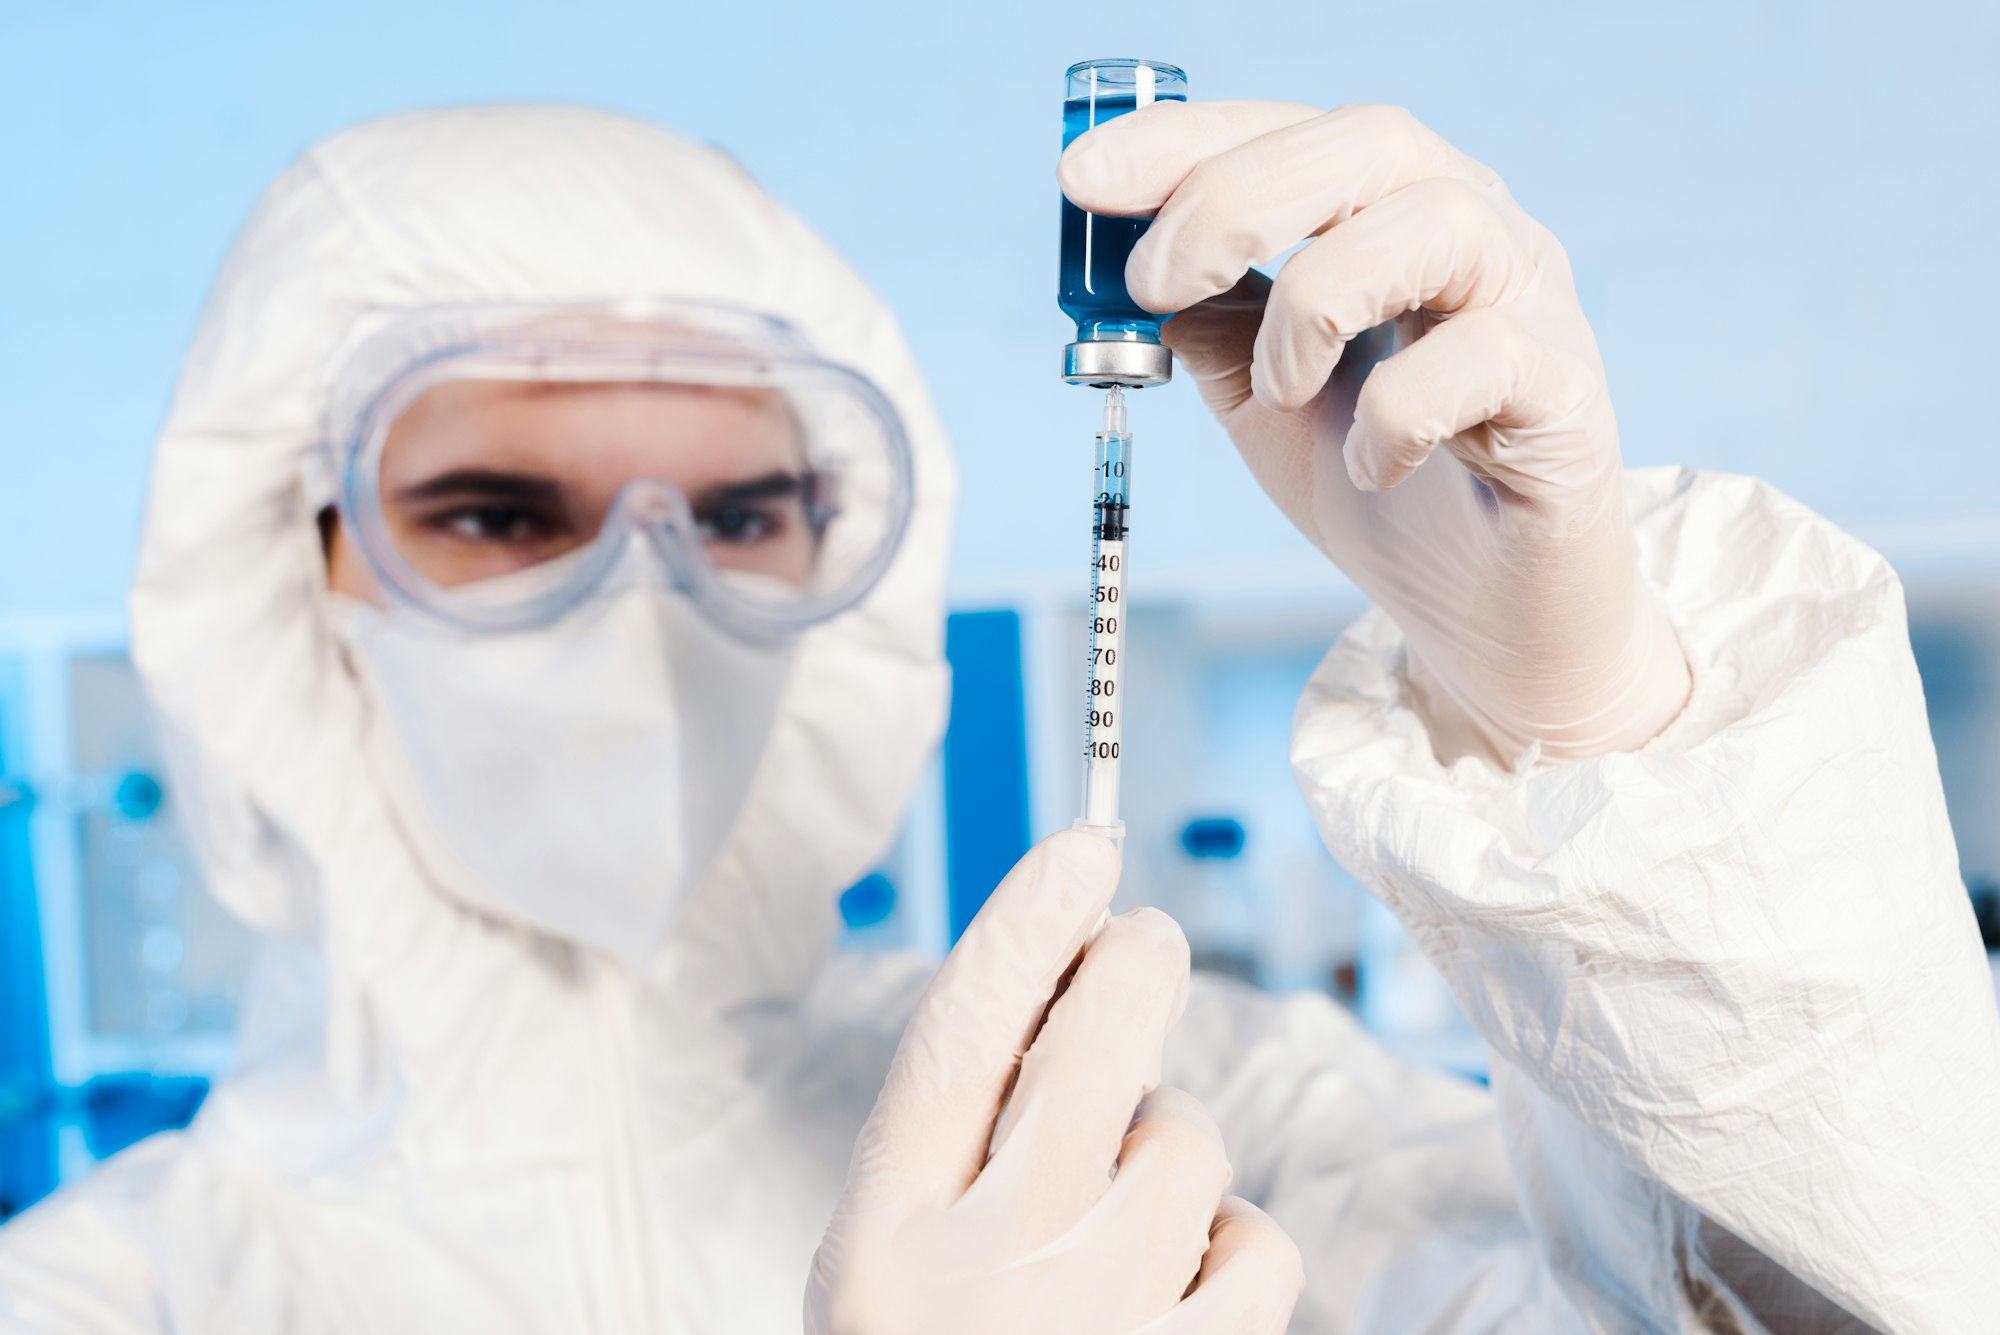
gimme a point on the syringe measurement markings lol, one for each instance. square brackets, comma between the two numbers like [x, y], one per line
[1107, 563]
[1103, 728]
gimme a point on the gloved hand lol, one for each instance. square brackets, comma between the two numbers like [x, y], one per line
[1427, 310]
[934, 1233]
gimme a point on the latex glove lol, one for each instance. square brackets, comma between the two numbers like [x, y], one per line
[935, 1234]
[1506, 558]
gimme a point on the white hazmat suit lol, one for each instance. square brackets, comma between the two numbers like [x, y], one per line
[1744, 1046]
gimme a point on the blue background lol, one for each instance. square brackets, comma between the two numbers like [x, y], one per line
[1780, 217]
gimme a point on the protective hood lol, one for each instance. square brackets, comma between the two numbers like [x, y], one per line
[230, 610]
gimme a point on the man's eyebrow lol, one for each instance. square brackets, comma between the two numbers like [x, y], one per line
[770, 487]
[482, 484]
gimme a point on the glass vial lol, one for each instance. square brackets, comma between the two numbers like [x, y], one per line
[1117, 340]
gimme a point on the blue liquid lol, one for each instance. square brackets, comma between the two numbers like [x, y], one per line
[1091, 289]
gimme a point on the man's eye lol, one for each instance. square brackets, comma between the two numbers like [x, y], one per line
[495, 523]
[737, 524]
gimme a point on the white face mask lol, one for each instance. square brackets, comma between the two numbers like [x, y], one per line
[579, 777]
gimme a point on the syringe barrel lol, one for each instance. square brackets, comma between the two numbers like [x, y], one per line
[1104, 728]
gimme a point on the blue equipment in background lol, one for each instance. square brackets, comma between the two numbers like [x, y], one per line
[868, 902]
[27, 1123]
[1217, 837]
[985, 759]
[118, 973]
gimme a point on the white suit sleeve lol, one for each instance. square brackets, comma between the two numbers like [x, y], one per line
[1392, 1179]
[1745, 1046]
[79, 1261]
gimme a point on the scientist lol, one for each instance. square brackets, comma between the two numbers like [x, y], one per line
[541, 592]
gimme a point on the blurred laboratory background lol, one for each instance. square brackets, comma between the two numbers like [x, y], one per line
[1780, 217]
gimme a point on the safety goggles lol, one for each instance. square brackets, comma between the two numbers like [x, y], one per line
[497, 465]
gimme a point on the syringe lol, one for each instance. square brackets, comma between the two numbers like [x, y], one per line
[1110, 515]
[1118, 347]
